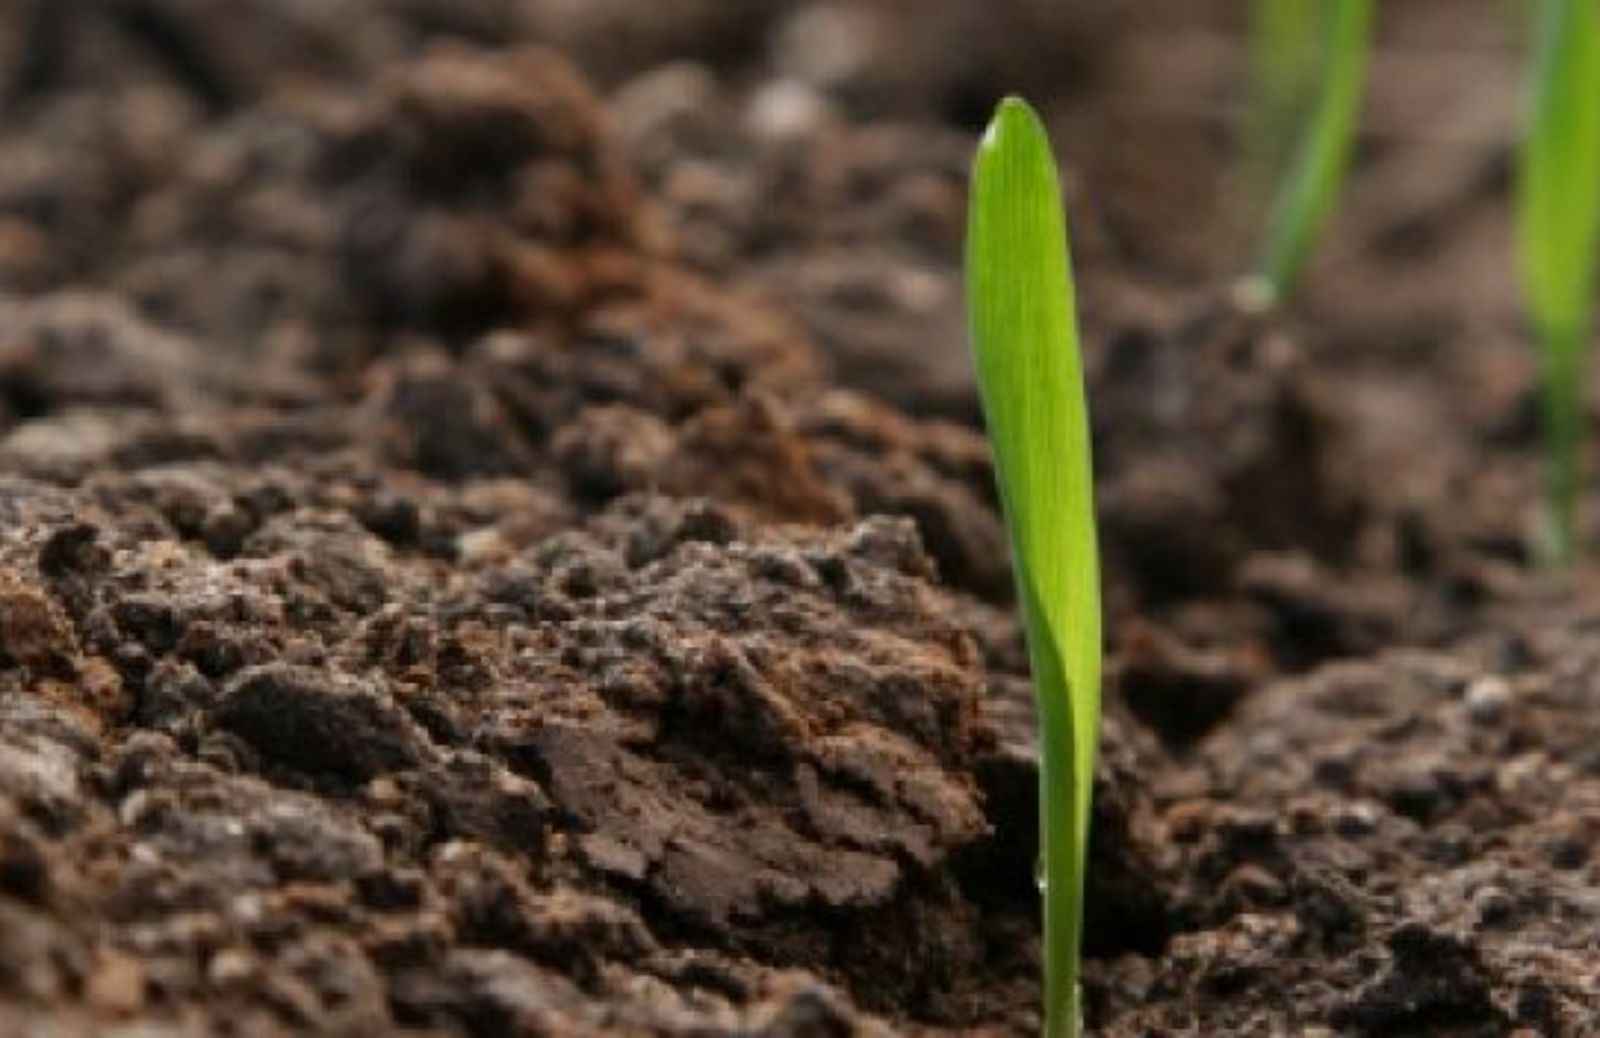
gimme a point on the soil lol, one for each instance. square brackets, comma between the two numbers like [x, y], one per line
[497, 538]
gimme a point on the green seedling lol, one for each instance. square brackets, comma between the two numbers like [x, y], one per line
[1558, 217]
[1285, 40]
[1306, 196]
[1024, 325]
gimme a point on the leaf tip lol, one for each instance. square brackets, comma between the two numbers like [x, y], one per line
[1012, 116]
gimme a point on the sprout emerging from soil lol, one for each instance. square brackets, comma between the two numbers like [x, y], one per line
[1558, 202]
[1305, 198]
[1023, 316]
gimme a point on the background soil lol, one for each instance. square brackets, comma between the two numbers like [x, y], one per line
[496, 538]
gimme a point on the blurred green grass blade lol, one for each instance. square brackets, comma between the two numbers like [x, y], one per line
[1285, 37]
[1307, 195]
[1025, 339]
[1558, 203]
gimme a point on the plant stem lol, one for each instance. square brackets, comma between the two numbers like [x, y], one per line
[1562, 356]
[1063, 871]
[1308, 196]
[1558, 201]
[1284, 36]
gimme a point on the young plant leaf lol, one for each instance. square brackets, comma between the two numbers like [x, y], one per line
[1024, 326]
[1558, 202]
[1285, 42]
[1307, 196]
